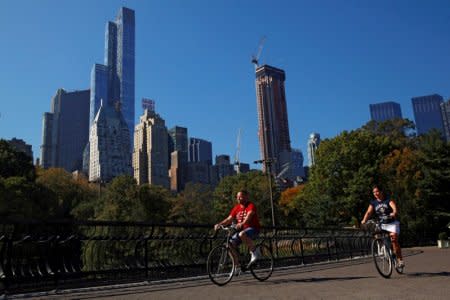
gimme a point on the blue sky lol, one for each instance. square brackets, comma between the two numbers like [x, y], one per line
[193, 58]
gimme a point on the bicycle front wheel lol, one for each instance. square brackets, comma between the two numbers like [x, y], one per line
[220, 265]
[262, 268]
[382, 258]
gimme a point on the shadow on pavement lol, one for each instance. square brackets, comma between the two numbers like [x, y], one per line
[315, 279]
[428, 274]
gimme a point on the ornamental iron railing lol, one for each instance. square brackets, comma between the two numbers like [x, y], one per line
[37, 256]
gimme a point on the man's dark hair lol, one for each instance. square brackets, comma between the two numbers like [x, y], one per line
[244, 192]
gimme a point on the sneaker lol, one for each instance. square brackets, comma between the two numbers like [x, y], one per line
[255, 255]
[237, 271]
[400, 263]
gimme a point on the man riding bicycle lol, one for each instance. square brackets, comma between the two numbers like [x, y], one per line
[247, 224]
[386, 211]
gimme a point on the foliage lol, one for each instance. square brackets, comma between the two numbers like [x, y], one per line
[119, 201]
[155, 201]
[443, 236]
[193, 205]
[15, 163]
[66, 191]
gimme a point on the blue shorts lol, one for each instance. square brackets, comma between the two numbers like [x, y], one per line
[250, 232]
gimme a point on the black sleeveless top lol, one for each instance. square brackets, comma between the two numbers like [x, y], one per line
[382, 210]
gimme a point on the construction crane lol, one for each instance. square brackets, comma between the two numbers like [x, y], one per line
[255, 58]
[237, 163]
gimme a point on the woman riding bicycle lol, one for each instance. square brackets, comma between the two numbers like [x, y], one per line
[386, 211]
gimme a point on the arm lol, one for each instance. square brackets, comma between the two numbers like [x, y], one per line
[394, 209]
[369, 212]
[226, 221]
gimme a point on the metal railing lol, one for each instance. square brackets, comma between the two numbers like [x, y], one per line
[36, 256]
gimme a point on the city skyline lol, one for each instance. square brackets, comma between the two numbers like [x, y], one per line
[334, 69]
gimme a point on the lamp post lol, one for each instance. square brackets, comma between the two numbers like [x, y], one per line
[268, 165]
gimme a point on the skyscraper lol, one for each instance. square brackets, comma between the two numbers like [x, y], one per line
[273, 127]
[150, 159]
[313, 144]
[200, 150]
[385, 111]
[178, 148]
[114, 81]
[65, 130]
[427, 113]
[109, 141]
[445, 109]
[297, 164]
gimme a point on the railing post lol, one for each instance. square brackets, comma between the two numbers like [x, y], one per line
[146, 257]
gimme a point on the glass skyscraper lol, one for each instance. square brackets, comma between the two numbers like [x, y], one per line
[114, 81]
[65, 130]
[385, 111]
[427, 113]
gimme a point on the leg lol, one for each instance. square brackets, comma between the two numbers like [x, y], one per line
[396, 245]
[247, 240]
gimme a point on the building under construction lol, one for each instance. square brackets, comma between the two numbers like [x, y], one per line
[273, 127]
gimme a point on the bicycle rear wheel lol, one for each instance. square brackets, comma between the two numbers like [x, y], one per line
[262, 268]
[220, 265]
[382, 258]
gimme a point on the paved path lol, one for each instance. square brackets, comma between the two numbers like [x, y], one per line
[427, 276]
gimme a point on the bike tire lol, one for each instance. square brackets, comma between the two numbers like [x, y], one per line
[262, 269]
[382, 258]
[220, 265]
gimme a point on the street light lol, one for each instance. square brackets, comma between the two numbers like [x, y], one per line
[268, 164]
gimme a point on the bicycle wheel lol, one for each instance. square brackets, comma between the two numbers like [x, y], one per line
[381, 258]
[262, 268]
[220, 265]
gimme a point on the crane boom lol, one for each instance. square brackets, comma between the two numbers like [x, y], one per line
[237, 163]
[255, 58]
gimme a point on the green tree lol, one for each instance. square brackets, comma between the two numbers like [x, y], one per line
[193, 205]
[346, 167]
[156, 202]
[15, 163]
[64, 189]
[119, 201]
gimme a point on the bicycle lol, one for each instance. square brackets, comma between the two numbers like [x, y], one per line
[382, 252]
[221, 264]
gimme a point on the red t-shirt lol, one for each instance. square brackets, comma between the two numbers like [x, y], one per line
[239, 212]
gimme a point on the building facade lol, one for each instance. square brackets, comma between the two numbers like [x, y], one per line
[200, 150]
[150, 154]
[445, 110]
[427, 113]
[313, 144]
[297, 164]
[178, 149]
[109, 141]
[385, 111]
[273, 127]
[65, 130]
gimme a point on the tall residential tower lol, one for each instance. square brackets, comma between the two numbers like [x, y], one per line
[273, 127]
[114, 81]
